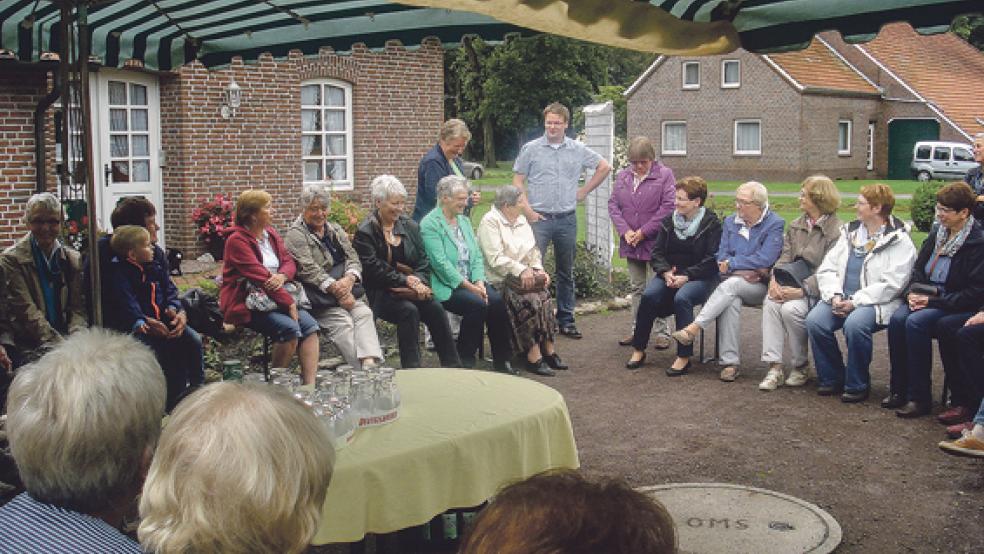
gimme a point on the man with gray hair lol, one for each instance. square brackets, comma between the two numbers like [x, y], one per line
[975, 177]
[549, 169]
[83, 422]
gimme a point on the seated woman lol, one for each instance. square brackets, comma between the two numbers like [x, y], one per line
[685, 267]
[808, 238]
[513, 265]
[860, 280]
[253, 479]
[947, 282]
[395, 270]
[751, 242]
[458, 275]
[962, 353]
[43, 288]
[327, 262]
[255, 257]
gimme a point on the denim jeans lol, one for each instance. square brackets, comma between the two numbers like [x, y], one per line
[659, 300]
[962, 353]
[181, 359]
[280, 327]
[910, 350]
[475, 313]
[859, 327]
[563, 233]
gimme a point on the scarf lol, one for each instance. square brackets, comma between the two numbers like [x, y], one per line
[685, 229]
[862, 243]
[948, 243]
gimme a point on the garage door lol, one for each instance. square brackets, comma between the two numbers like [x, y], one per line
[903, 134]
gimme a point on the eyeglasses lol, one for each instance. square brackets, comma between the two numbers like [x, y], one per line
[941, 209]
[741, 202]
[39, 221]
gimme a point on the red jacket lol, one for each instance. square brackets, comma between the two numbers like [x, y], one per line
[243, 261]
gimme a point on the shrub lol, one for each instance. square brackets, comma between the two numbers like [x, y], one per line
[346, 213]
[212, 218]
[923, 209]
[591, 280]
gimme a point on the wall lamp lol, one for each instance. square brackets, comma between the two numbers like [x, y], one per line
[233, 98]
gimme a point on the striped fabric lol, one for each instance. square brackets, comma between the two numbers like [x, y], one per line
[164, 34]
[28, 526]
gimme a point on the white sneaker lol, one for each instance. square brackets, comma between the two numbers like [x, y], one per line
[797, 377]
[773, 380]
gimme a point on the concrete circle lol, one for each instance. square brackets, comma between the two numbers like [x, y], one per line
[720, 517]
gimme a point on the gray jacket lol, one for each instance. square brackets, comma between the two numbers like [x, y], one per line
[314, 261]
[810, 244]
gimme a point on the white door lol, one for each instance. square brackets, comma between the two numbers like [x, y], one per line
[127, 140]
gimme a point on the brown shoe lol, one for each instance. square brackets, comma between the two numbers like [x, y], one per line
[729, 374]
[627, 341]
[662, 342]
[683, 337]
[957, 414]
[957, 431]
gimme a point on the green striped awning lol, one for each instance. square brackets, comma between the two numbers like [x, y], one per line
[695, 27]
[167, 33]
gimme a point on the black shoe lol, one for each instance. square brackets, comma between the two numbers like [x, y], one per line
[674, 372]
[853, 397]
[912, 409]
[554, 361]
[829, 390]
[504, 367]
[570, 331]
[893, 401]
[539, 368]
[636, 364]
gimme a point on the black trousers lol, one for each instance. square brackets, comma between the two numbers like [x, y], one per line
[962, 354]
[407, 315]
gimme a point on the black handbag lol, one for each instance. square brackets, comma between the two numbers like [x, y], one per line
[792, 274]
[321, 299]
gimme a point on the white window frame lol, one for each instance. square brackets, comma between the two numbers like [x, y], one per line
[664, 150]
[725, 84]
[735, 138]
[683, 76]
[349, 182]
[850, 128]
[870, 165]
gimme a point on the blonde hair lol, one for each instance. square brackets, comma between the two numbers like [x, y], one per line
[240, 468]
[823, 193]
[452, 129]
[127, 238]
[249, 204]
[83, 420]
[641, 148]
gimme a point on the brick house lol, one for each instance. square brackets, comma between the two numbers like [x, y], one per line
[849, 111]
[163, 135]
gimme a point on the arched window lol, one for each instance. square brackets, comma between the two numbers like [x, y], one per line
[326, 133]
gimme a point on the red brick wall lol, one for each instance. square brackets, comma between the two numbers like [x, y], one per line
[397, 108]
[20, 91]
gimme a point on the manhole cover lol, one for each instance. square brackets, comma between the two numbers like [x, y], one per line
[717, 517]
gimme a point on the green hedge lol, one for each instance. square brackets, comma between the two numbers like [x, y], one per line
[923, 210]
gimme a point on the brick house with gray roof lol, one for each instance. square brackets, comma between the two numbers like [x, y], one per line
[849, 111]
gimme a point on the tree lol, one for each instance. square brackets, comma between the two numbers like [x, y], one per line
[970, 27]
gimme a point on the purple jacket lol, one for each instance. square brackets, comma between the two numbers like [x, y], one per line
[643, 209]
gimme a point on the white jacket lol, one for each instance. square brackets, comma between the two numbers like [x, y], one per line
[885, 271]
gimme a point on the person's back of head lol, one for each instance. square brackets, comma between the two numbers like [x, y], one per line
[563, 513]
[83, 421]
[239, 468]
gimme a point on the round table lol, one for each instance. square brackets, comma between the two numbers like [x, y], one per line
[460, 437]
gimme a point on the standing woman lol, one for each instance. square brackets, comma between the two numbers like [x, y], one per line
[326, 261]
[808, 238]
[458, 275]
[643, 196]
[396, 270]
[255, 253]
[685, 264]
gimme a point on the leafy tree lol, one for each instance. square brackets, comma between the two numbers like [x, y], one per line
[970, 27]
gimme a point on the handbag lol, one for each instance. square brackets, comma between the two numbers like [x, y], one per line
[258, 300]
[793, 274]
[323, 299]
[924, 289]
[400, 293]
[515, 283]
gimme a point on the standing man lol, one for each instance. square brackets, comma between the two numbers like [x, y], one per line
[975, 177]
[441, 161]
[549, 169]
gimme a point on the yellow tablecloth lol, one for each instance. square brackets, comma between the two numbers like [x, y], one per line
[460, 437]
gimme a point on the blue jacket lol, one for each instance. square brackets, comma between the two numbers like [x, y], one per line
[759, 251]
[130, 293]
[433, 166]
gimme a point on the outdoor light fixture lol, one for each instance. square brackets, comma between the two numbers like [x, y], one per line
[233, 97]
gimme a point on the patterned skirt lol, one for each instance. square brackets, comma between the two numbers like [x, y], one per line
[532, 318]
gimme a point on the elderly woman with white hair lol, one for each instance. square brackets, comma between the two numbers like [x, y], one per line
[513, 264]
[396, 270]
[458, 275]
[253, 480]
[82, 423]
[751, 242]
[43, 279]
[330, 271]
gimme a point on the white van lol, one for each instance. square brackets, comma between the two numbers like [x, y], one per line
[941, 160]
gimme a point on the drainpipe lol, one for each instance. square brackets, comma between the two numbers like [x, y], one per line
[41, 174]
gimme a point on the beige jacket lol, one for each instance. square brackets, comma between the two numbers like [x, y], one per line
[25, 304]
[800, 241]
[314, 261]
[508, 248]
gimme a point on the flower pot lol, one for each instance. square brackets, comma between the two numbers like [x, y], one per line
[216, 247]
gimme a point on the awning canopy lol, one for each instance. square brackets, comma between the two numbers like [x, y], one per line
[165, 34]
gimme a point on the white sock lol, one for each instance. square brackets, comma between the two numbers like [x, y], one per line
[978, 431]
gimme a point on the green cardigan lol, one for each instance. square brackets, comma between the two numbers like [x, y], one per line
[443, 253]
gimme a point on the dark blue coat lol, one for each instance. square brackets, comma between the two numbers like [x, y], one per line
[126, 288]
[433, 166]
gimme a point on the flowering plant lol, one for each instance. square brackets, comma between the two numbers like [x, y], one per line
[212, 218]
